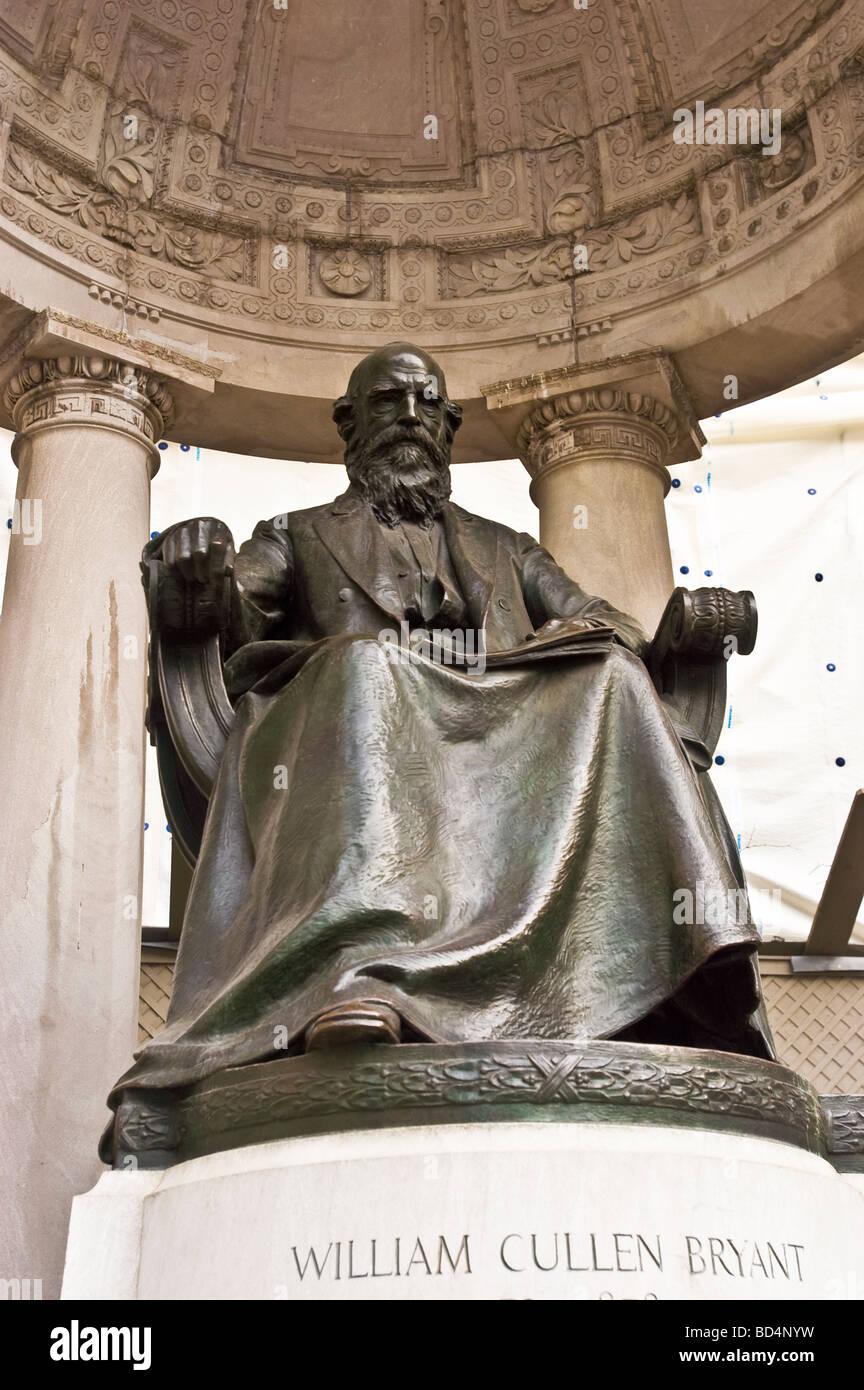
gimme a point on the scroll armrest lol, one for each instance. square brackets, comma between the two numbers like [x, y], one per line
[699, 630]
[189, 715]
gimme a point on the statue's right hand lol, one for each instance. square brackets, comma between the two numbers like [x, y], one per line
[193, 579]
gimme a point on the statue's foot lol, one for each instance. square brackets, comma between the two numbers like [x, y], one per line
[360, 1021]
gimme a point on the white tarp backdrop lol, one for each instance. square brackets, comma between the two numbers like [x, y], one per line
[776, 499]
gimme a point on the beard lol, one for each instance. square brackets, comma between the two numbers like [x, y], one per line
[404, 476]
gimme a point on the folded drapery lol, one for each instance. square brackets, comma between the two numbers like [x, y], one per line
[494, 855]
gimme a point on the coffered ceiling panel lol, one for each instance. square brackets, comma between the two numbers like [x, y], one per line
[318, 93]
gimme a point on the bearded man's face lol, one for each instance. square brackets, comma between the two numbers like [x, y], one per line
[399, 456]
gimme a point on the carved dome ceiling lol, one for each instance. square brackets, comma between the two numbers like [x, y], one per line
[251, 194]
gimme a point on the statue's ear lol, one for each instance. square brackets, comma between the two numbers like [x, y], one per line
[343, 415]
[454, 416]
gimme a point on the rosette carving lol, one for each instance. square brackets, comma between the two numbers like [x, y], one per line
[346, 271]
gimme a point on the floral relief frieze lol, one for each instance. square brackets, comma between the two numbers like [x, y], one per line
[117, 208]
[643, 233]
[556, 119]
[500, 269]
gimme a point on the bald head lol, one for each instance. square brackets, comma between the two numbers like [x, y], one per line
[399, 379]
[398, 424]
[401, 357]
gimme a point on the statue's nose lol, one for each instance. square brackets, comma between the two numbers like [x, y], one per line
[408, 410]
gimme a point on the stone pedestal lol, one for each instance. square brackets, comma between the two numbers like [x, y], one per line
[73, 644]
[477, 1211]
[533, 1169]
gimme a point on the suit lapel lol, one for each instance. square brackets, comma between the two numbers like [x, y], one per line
[473, 547]
[359, 548]
[361, 551]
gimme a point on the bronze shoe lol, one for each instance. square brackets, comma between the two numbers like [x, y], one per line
[360, 1021]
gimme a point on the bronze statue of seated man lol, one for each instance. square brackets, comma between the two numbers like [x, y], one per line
[400, 847]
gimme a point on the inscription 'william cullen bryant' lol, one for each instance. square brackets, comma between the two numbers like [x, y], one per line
[617, 1252]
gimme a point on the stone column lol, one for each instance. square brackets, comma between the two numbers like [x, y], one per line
[72, 685]
[597, 459]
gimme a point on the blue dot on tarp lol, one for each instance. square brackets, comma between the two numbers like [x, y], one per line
[153, 535]
[818, 578]
[168, 828]
[709, 574]
[719, 760]
[823, 398]
[184, 448]
[9, 524]
[146, 825]
[830, 666]
[841, 762]
[698, 487]
[163, 445]
[685, 569]
[676, 482]
[811, 492]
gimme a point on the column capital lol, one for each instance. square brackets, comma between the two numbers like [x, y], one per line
[596, 424]
[644, 386]
[93, 390]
